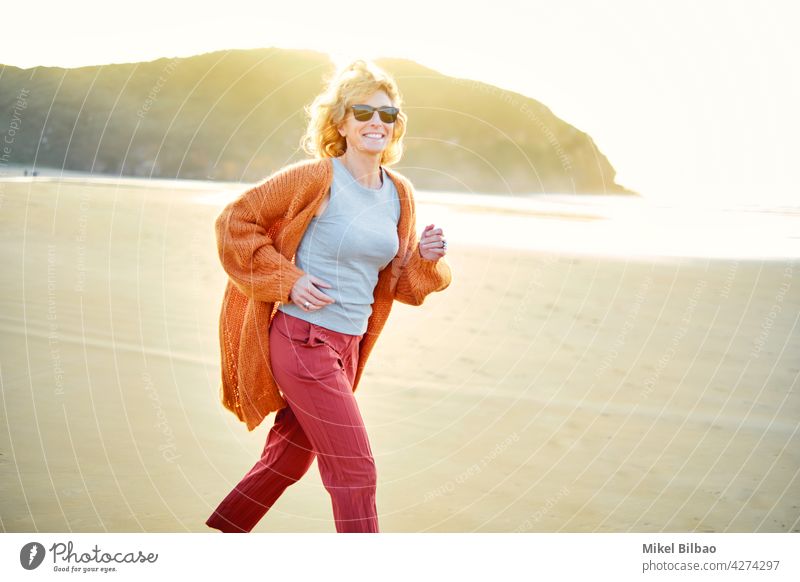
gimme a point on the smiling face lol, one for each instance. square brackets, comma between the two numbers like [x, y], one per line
[368, 137]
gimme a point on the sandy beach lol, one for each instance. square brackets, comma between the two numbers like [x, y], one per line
[544, 391]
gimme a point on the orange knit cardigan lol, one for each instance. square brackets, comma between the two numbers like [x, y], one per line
[257, 237]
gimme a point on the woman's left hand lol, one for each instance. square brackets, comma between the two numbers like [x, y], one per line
[432, 244]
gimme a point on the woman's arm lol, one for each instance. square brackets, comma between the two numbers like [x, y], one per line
[420, 277]
[245, 246]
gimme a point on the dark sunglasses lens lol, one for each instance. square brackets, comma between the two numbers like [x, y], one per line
[363, 112]
[388, 114]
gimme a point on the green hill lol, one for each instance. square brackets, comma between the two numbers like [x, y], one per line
[238, 115]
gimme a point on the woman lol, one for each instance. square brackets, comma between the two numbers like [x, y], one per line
[295, 336]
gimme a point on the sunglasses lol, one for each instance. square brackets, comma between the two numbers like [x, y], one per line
[365, 112]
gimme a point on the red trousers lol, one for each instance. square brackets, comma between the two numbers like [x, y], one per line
[314, 368]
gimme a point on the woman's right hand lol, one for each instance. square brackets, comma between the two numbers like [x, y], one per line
[305, 290]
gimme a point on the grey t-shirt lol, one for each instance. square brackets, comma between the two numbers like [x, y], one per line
[347, 246]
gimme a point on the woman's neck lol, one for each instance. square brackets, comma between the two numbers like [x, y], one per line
[365, 169]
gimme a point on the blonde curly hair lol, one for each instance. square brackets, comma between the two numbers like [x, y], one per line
[347, 86]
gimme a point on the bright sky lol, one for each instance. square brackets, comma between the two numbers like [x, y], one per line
[686, 98]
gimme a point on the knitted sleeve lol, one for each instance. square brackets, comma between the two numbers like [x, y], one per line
[419, 276]
[245, 233]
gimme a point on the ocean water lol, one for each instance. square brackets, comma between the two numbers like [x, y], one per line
[616, 225]
[622, 226]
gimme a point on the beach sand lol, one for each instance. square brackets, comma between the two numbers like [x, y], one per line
[541, 392]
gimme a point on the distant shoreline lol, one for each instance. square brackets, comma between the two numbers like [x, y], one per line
[18, 171]
[48, 174]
